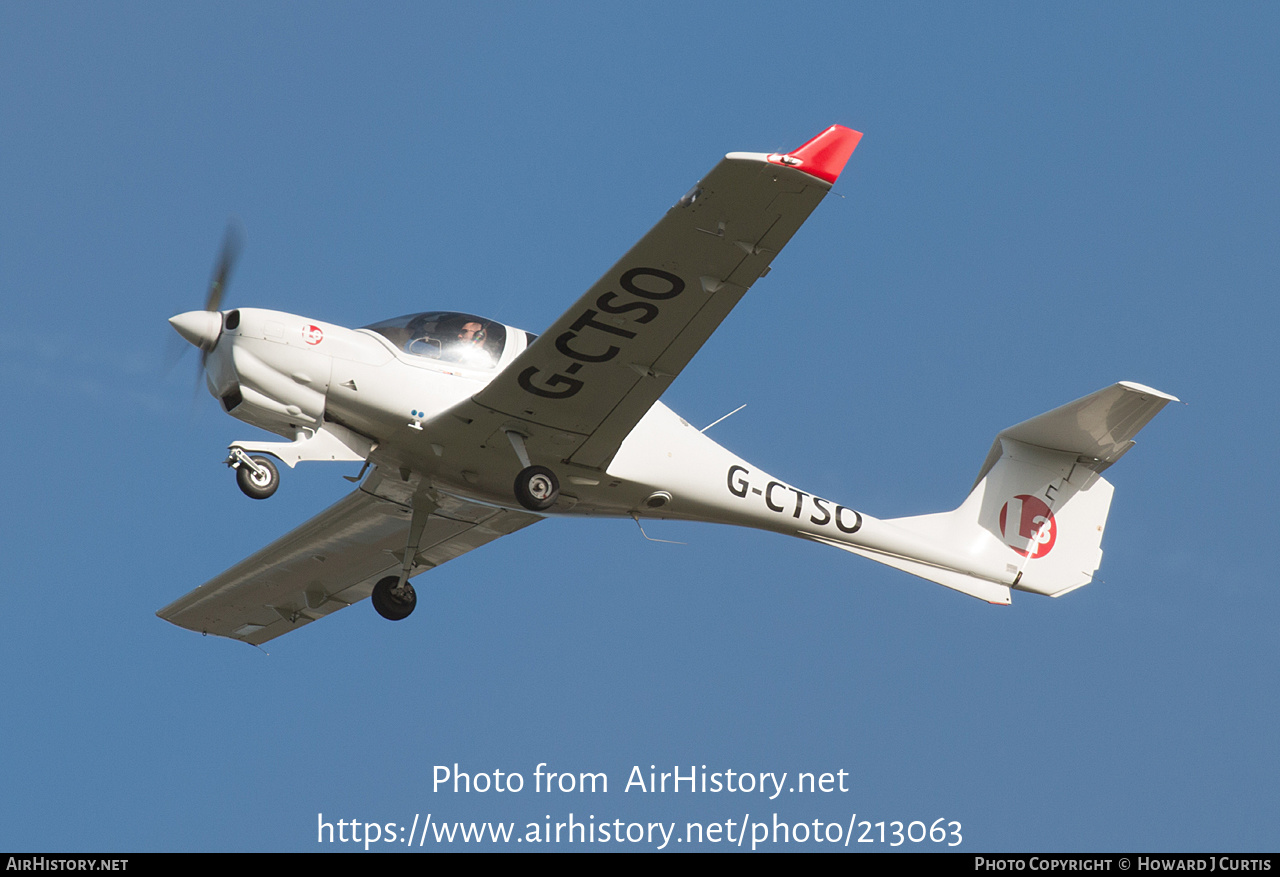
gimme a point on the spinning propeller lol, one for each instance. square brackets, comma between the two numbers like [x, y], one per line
[203, 328]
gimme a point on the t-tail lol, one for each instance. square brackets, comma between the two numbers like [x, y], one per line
[1035, 516]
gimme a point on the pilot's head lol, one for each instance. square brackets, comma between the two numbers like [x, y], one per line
[471, 333]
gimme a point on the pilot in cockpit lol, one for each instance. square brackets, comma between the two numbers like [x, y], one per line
[463, 343]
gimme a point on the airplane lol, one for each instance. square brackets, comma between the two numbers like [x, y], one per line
[469, 429]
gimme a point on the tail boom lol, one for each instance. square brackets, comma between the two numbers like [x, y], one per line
[1032, 522]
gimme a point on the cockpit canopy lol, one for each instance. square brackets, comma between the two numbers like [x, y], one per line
[447, 336]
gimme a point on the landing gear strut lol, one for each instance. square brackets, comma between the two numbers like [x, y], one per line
[393, 597]
[258, 477]
[393, 603]
[537, 488]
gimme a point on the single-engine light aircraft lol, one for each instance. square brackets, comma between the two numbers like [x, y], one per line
[469, 429]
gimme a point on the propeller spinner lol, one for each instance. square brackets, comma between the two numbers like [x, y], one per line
[202, 328]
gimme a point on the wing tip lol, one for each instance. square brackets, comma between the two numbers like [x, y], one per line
[824, 156]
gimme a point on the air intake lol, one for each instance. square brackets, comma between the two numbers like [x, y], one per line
[231, 399]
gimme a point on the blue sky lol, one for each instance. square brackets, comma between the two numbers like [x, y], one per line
[1046, 200]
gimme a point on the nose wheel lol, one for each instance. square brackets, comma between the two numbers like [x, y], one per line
[258, 477]
[537, 488]
[392, 603]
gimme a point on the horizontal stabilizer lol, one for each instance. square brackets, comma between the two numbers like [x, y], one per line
[1100, 426]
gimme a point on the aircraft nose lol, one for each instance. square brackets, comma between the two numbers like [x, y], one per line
[201, 328]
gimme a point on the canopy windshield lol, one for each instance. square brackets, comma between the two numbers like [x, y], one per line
[447, 336]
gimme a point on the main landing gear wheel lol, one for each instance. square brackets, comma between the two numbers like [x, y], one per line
[257, 485]
[393, 604]
[537, 488]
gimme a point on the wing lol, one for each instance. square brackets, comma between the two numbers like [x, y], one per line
[599, 368]
[334, 560]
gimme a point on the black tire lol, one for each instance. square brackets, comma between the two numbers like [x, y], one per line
[256, 486]
[388, 604]
[537, 488]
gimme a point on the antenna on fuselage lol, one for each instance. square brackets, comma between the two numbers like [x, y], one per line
[726, 417]
[636, 517]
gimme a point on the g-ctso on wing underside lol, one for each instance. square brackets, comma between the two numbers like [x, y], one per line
[608, 359]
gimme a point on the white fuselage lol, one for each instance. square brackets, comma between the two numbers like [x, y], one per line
[292, 375]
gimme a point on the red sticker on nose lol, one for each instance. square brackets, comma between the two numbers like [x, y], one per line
[312, 335]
